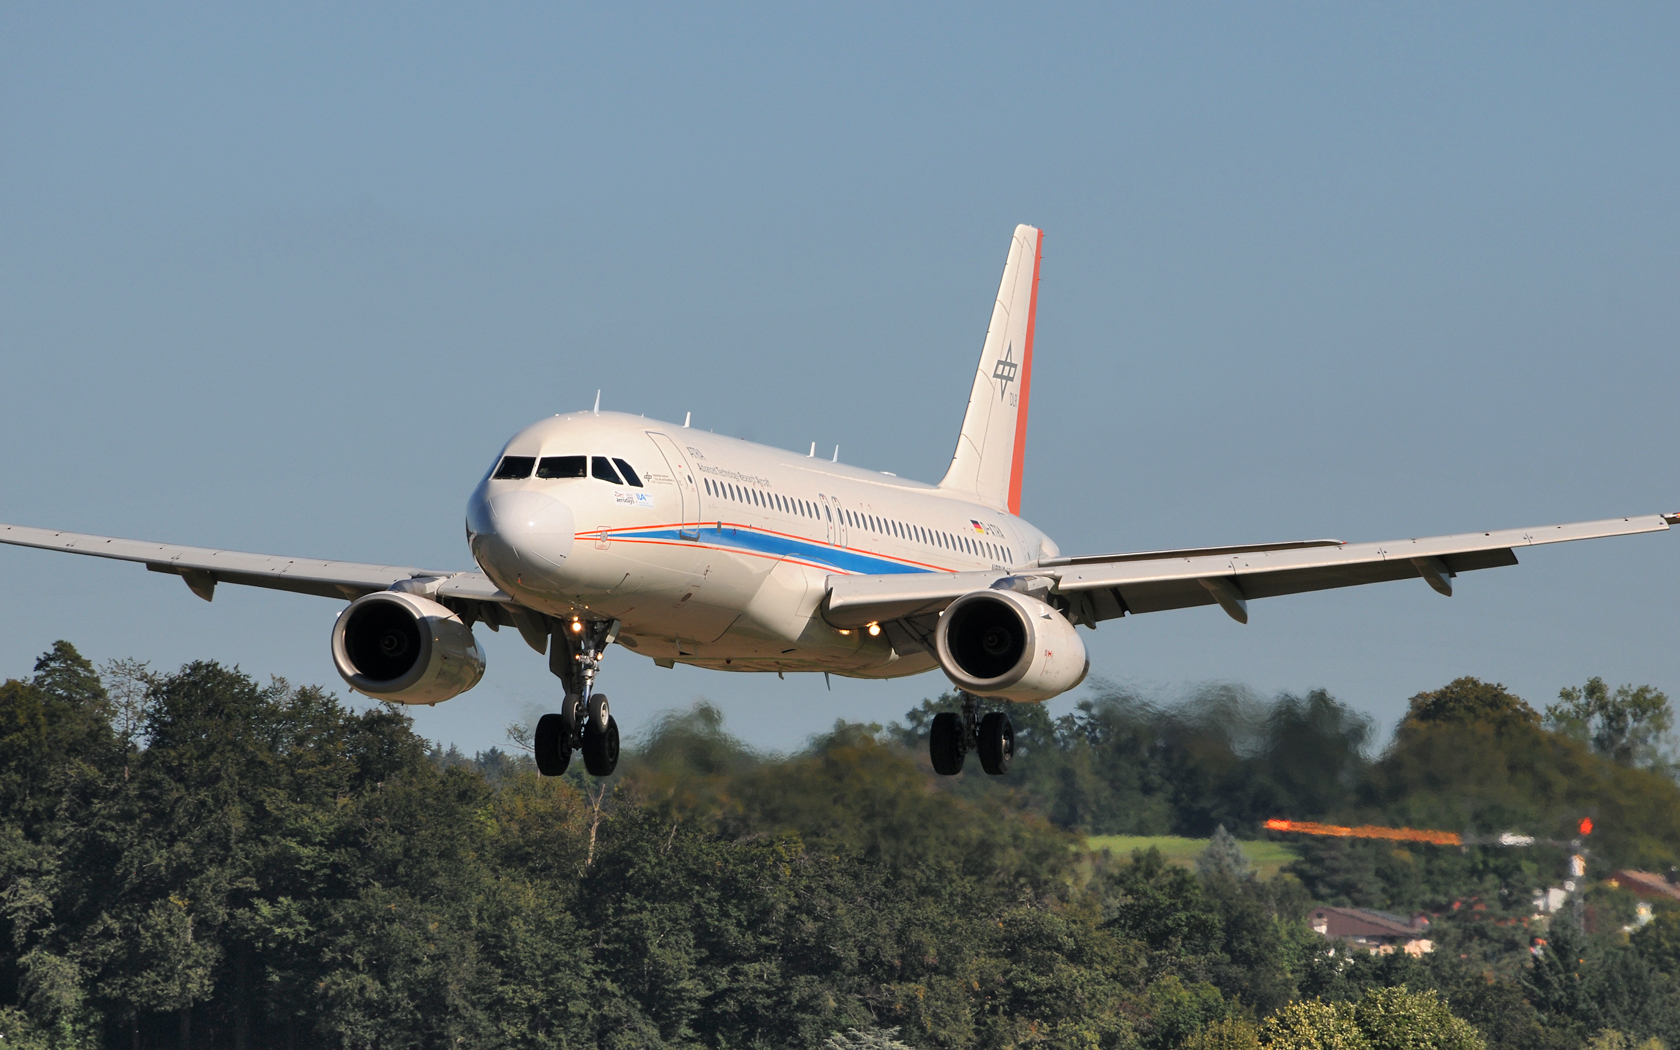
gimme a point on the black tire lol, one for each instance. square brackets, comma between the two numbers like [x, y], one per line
[553, 745]
[572, 710]
[600, 748]
[997, 743]
[945, 744]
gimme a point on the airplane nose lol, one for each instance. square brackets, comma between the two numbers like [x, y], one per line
[521, 533]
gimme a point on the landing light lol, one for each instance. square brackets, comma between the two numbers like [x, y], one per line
[577, 628]
[874, 629]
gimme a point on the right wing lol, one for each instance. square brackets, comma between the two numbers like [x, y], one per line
[1102, 587]
[469, 593]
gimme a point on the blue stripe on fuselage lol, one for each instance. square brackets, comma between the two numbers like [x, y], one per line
[751, 540]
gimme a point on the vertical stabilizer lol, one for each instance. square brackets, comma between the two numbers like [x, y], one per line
[987, 463]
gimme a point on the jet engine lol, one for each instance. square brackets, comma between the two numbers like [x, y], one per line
[1007, 644]
[405, 647]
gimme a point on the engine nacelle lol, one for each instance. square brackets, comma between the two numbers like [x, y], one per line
[1011, 645]
[406, 648]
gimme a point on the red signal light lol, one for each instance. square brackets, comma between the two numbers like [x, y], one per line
[1586, 825]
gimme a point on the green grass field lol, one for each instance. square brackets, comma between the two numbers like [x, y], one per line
[1267, 857]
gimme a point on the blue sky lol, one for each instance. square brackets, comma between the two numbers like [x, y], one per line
[283, 278]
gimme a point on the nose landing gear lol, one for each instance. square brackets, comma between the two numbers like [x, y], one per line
[953, 736]
[584, 721]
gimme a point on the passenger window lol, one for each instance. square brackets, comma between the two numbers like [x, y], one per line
[562, 467]
[514, 467]
[630, 477]
[602, 469]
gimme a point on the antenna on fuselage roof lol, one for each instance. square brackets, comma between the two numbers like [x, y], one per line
[686, 417]
[836, 454]
[813, 453]
[597, 402]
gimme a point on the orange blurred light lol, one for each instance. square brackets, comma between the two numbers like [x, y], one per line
[1586, 825]
[1367, 831]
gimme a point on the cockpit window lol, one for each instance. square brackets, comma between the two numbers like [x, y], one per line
[602, 468]
[630, 477]
[514, 467]
[562, 467]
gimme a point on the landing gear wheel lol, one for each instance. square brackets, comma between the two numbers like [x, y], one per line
[997, 743]
[553, 745]
[600, 712]
[945, 744]
[572, 710]
[600, 748]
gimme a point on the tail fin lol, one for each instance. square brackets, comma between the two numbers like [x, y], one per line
[987, 463]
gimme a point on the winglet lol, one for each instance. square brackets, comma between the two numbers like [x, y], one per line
[1672, 519]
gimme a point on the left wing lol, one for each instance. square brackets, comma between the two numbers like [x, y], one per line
[470, 593]
[1102, 587]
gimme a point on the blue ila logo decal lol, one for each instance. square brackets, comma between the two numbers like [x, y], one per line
[1005, 370]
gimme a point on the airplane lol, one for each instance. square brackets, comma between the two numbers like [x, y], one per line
[594, 528]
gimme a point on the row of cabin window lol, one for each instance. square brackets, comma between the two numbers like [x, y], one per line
[767, 500]
[512, 468]
[931, 537]
[787, 505]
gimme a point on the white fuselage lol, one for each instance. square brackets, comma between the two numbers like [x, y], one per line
[720, 557]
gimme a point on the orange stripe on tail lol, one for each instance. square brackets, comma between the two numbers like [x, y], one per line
[1016, 465]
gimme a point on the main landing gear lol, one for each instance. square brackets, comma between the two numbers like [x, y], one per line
[953, 736]
[584, 722]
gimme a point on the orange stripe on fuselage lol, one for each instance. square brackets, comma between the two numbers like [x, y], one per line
[1026, 387]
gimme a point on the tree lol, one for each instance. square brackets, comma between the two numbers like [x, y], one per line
[1227, 1033]
[1610, 1039]
[1313, 1024]
[1396, 1019]
[1471, 700]
[1557, 981]
[872, 1039]
[1659, 941]
[1629, 726]
[1224, 856]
